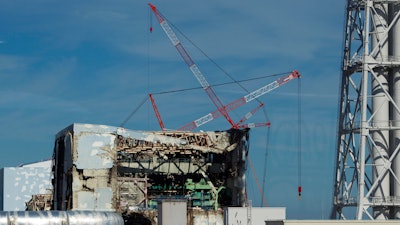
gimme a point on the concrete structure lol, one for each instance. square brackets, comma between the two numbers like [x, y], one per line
[198, 216]
[368, 145]
[172, 212]
[253, 215]
[329, 222]
[60, 218]
[18, 184]
[105, 168]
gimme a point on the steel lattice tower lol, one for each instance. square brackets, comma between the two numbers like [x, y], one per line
[367, 181]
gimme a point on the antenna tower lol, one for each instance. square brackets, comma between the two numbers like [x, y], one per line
[367, 179]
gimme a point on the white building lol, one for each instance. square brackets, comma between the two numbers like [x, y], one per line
[253, 215]
[18, 184]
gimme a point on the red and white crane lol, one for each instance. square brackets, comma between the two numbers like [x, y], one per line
[221, 109]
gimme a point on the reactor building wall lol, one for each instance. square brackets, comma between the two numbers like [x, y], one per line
[19, 184]
[105, 168]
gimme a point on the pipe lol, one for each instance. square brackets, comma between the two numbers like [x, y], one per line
[59, 218]
[380, 107]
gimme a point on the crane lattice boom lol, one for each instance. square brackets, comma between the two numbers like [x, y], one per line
[191, 64]
[242, 101]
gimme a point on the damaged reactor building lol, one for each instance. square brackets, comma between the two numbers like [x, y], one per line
[106, 168]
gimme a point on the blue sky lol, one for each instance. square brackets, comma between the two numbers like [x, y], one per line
[94, 62]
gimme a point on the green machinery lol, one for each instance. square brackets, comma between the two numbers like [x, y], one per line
[199, 194]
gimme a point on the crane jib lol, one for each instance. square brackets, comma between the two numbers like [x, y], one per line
[199, 76]
[222, 110]
[186, 57]
[205, 119]
[171, 35]
[257, 93]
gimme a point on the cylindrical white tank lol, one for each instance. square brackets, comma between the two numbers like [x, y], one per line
[59, 218]
[380, 107]
[395, 74]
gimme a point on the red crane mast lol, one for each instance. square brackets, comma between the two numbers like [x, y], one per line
[157, 112]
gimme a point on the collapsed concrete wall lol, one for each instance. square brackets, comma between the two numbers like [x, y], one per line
[107, 168]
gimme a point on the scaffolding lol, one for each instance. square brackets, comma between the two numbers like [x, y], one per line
[367, 184]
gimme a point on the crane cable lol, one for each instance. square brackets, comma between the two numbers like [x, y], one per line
[194, 88]
[134, 111]
[265, 164]
[220, 84]
[211, 60]
[256, 179]
[299, 188]
[208, 57]
[149, 60]
[148, 76]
